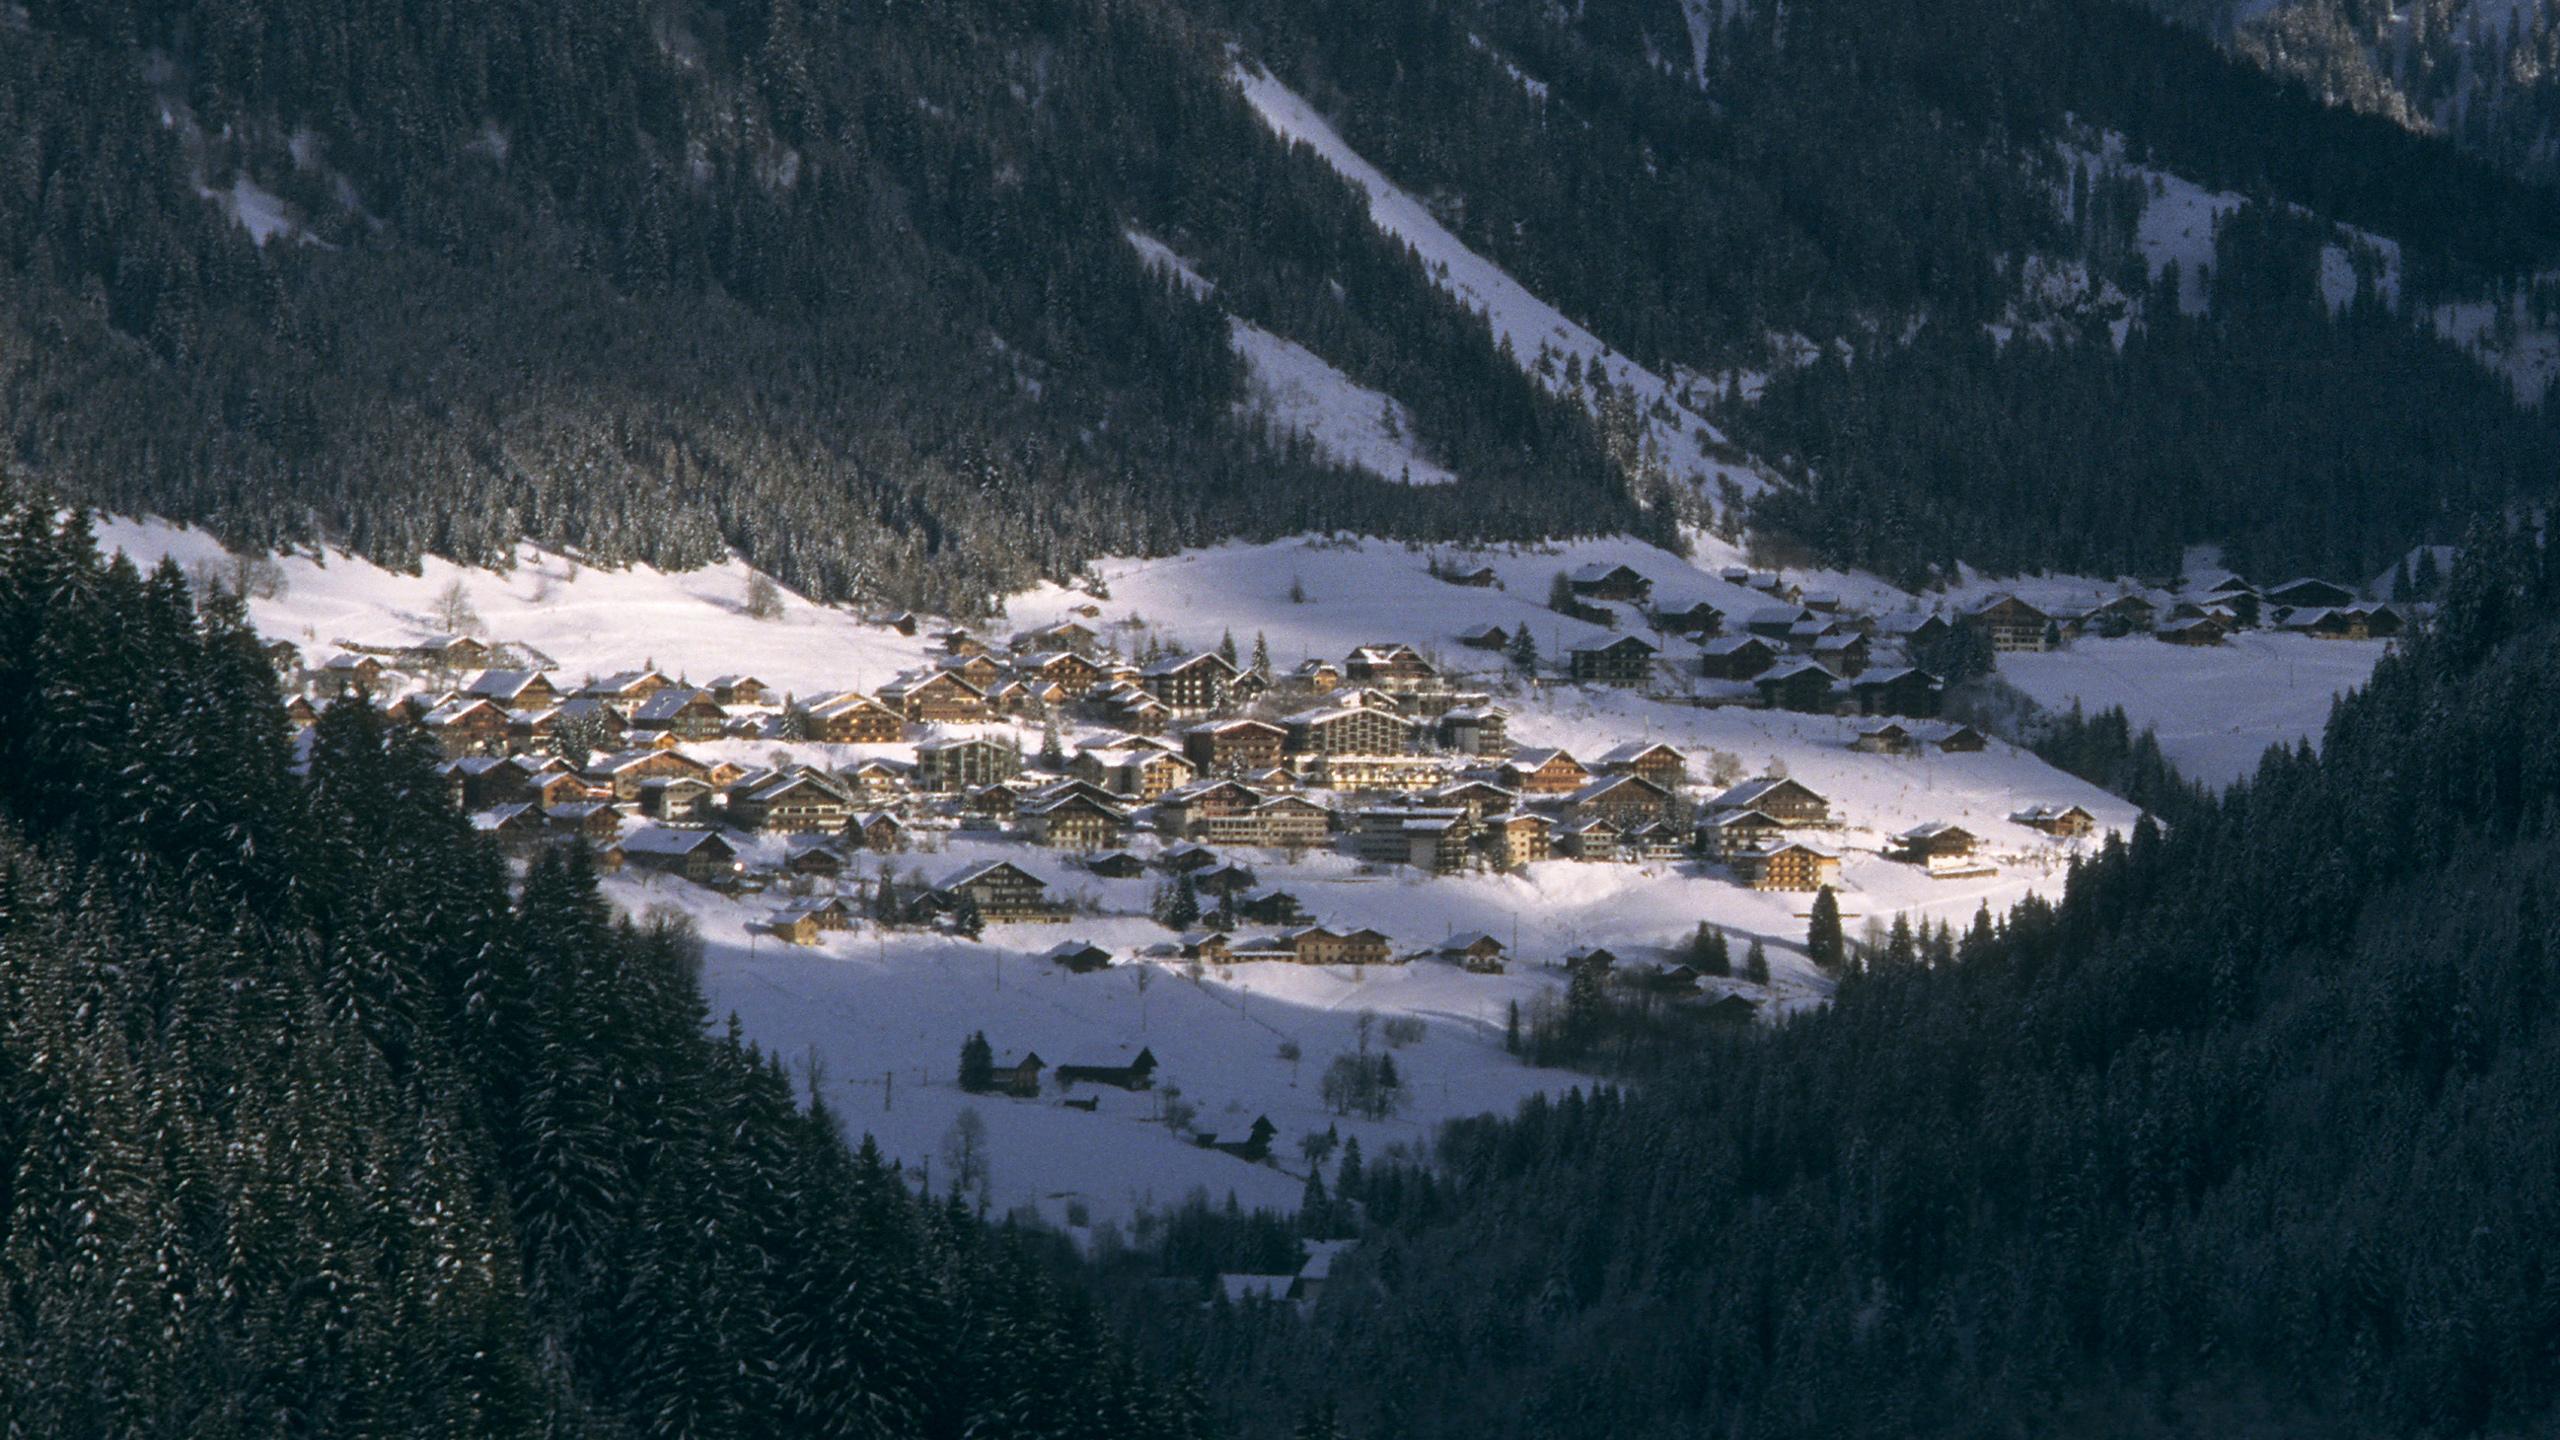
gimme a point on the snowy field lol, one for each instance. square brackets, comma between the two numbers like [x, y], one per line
[2217, 708]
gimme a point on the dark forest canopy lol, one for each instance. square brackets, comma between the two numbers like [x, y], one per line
[846, 287]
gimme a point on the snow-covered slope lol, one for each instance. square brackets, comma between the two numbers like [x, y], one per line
[1530, 324]
[591, 621]
[1294, 389]
[2216, 708]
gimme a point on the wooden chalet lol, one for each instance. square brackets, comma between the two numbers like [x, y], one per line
[853, 718]
[515, 689]
[625, 688]
[878, 831]
[2196, 630]
[1787, 865]
[1727, 833]
[1233, 747]
[2308, 594]
[353, 674]
[1886, 737]
[2010, 623]
[1902, 691]
[1319, 676]
[1138, 1074]
[1626, 799]
[1916, 630]
[1622, 583]
[1777, 623]
[1191, 684]
[1019, 1078]
[467, 727]
[1593, 839]
[1391, 666]
[1486, 637]
[685, 714]
[1478, 576]
[876, 777]
[701, 856]
[517, 828]
[675, 799]
[1785, 800]
[999, 888]
[2068, 822]
[1960, 740]
[1934, 841]
[1116, 865]
[1349, 730]
[1842, 653]
[1544, 772]
[2123, 615]
[1321, 945]
[1474, 951]
[1081, 957]
[1515, 838]
[1072, 821]
[1183, 810]
[1272, 906]
[815, 859]
[740, 690]
[802, 802]
[595, 821]
[1799, 685]
[1736, 657]
[1623, 661]
[1655, 760]
[1696, 620]
[936, 697]
[794, 925]
[1478, 798]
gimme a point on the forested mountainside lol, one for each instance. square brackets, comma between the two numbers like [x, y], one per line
[2249, 1134]
[2484, 73]
[311, 1123]
[1919, 191]
[843, 286]
[849, 287]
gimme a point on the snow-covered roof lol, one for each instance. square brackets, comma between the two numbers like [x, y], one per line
[1633, 750]
[659, 840]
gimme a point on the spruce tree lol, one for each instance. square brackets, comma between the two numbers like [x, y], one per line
[977, 1064]
[1825, 944]
[1755, 962]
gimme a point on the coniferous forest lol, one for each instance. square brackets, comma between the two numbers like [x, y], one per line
[847, 287]
[312, 1123]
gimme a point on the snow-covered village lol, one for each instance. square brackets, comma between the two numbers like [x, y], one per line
[1279, 720]
[1189, 856]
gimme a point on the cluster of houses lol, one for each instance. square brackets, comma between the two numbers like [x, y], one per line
[2208, 612]
[1806, 650]
[1381, 756]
